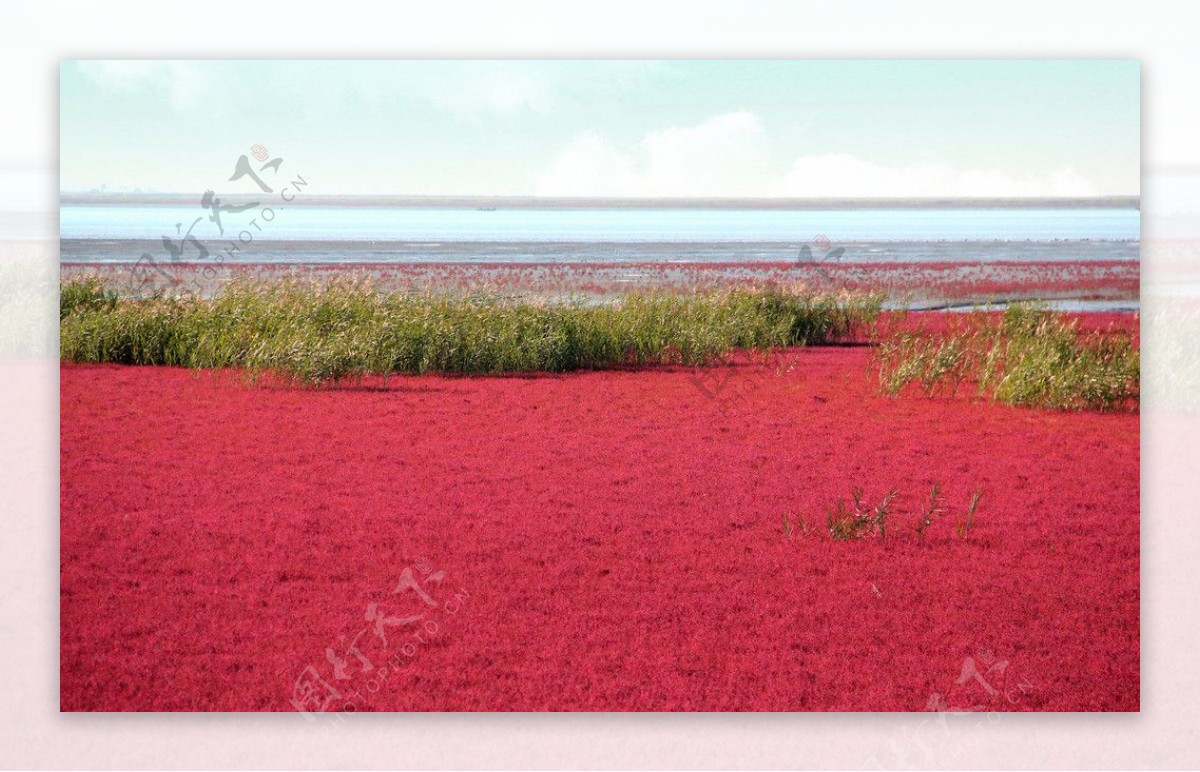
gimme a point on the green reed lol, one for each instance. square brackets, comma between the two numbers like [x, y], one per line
[324, 332]
[1030, 356]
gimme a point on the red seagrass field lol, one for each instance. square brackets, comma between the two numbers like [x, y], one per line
[623, 540]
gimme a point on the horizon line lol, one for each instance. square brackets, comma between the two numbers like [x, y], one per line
[369, 200]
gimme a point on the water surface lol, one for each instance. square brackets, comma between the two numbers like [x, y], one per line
[118, 233]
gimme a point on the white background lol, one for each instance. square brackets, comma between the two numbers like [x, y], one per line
[35, 36]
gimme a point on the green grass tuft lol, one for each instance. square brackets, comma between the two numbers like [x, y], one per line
[858, 520]
[1029, 357]
[932, 510]
[963, 529]
[321, 333]
[86, 293]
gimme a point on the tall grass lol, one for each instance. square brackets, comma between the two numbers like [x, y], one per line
[318, 333]
[86, 293]
[967, 523]
[1030, 356]
[858, 519]
[931, 511]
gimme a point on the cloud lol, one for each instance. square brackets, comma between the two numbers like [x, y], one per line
[725, 155]
[589, 166]
[183, 85]
[510, 92]
[473, 92]
[730, 155]
[478, 90]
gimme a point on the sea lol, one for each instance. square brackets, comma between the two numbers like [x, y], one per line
[282, 233]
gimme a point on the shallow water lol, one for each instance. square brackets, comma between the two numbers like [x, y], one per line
[74, 250]
[314, 234]
[612, 249]
[459, 224]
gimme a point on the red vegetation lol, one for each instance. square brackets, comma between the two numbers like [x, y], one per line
[916, 283]
[609, 541]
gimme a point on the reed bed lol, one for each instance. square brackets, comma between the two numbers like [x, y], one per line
[1029, 356]
[324, 332]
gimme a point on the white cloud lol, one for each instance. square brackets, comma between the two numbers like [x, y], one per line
[723, 156]
[478, 90]
[474, 91]
[729, 155]
[510, 92]
[590, 166]
[725, 153]
[184, 85]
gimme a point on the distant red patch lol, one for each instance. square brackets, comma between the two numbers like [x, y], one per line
[914, 284]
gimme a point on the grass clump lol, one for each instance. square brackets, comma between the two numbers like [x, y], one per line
[845, 521]
[319, 333]
[931, 511]
[87, 293]
[1029, 357]
[963, 527]
[856, 519]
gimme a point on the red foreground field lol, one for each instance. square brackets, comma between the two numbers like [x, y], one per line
[590, 541]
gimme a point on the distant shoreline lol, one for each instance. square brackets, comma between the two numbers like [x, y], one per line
[535, 202]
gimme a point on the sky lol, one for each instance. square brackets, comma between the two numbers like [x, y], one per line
[702, 129]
